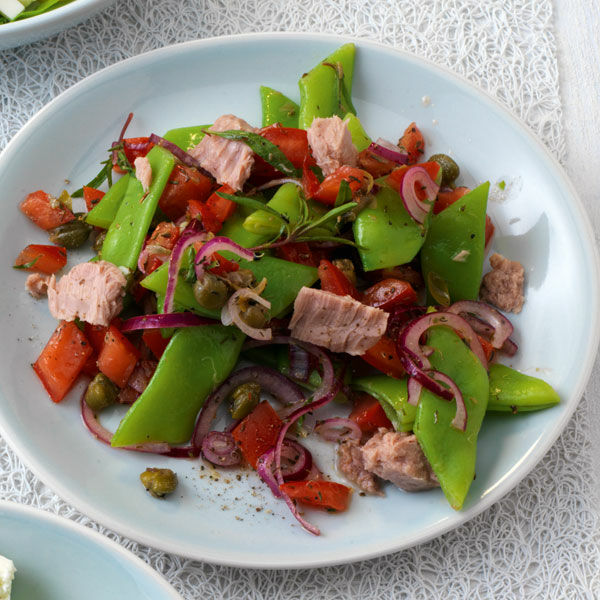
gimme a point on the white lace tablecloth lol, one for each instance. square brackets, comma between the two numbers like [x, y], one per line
[543, 539]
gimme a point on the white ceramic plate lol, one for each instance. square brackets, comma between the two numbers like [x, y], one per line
[30, 30]
[220, 519]
[57, 559]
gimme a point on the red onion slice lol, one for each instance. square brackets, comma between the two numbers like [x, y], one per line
[276, 182]
[219, 448]
[388, 151]
[264, 468]
[502, 328]
[338, 429]
[182, 155]
[231, 313]
[418, 209]
[301, 364]
[414, 388]
[218, 244]
[296, 461]
[185, 319]
[156, 250]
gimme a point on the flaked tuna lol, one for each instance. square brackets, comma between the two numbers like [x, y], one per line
[92, 292]
[339, 323]
[143, 172]
[37, 285]
[331, 144]
[397, 457]
[227, 161]
[350, 463]
[503, 285]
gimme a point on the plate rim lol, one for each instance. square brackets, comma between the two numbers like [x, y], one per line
[512, 479]
[33, 513]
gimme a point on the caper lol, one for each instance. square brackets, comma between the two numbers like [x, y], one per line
[159, 482]
[242, 278]
[210, 292]
[346, 266]
[101, 393]
[450, 170]
[254, 315]
[245, 399]
[98, 241]
[72, 234]
[438, 288]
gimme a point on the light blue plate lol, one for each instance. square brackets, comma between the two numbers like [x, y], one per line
[57, 559]
[221, 519]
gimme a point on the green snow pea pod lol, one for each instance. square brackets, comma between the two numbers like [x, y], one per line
[385, 233]
[126, 234]
[194, 363]
[392, 396]
[451, 452]
[326, 90]
[277, 108]
[286, 201]
[284, 282]
[360, 139]
[186, 137]
[454, 248]
[511, 391]
[233, 228]
[104, 213]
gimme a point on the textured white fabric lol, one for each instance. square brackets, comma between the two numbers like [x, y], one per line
[542, 540]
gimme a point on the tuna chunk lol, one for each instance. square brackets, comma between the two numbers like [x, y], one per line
[503, 285]
[331, 144]
[92, 292]
[397, 457]
[226, 160]
[350, 463]
[339, 323]
[143, 172]
[37, 285]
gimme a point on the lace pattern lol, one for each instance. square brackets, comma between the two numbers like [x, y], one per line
[542, 539]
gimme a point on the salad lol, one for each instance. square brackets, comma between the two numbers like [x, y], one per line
[16, 10]
[340, 270]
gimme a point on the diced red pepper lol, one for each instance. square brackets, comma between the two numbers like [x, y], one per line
[320, 493]
[329, 188]
[45, 211]
[91, 366]
[389, 293]
[334, 281]
[45, 259]
[165, 235]
[488, 349]
[134, 148]
[310, 181]
[489, 230]
[62, 360]
[221, 208]
[155, 341]
[184, 184]
[118, 357]
[368, 413]
[200, 211]
[257, 432]
[445, 199]
[384, 357]
[374, 164]
[300, 253]
[414, 143]
[91, 196]
[95, 335]
[291, 141]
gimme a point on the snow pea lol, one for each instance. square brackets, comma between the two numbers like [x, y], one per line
[234, 229]
[287, 201]
[126, 234]
[451, 452]
[511, 391]
[392, 396]
[195, 362]
[104, 213]
[386, 234]
[284, 282]
[277, 108]
[186, 137]
[326, 89]
[454, 248]
[360, 139]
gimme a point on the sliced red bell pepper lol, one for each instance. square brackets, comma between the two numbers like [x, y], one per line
[45, 211]
[384, 357]
[95, 335]
[334, 281]
[91, 366]
[310, 181]
[118, 357]
[329, 495]
[368, 413]
[43, 259]
[488, 349]
[376, 165]
[184, 184]
[329, 188]
[300, 253]
[62, 360]
[165, 235]
[155, 341]
[221, 208]
[257, 432]
[414, 143]
[389, 293]
[291, 141]
[91, 196]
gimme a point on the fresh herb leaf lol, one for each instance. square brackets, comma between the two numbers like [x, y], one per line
[104, 174]
[267, 150]
[28, 265]
[344, 193]
[329, 215]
